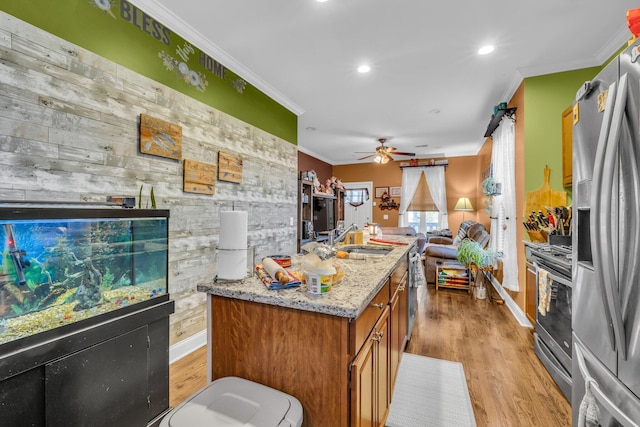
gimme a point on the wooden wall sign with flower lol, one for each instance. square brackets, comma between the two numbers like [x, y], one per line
[160, 138]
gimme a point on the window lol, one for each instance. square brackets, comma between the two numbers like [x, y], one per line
[422, 211]
[423, 222]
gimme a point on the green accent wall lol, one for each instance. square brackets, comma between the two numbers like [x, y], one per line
[545, 98]
[117, 30]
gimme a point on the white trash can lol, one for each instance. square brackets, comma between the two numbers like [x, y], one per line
[233, 401]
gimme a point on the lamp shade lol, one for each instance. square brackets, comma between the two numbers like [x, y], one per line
[463, 204]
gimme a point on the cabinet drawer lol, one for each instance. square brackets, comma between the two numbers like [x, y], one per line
[362, 326]
[399, 275]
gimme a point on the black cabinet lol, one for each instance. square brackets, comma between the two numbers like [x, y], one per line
[109, 371]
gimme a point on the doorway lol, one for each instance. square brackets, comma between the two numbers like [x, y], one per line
[362, 214]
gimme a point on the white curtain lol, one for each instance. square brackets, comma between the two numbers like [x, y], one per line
[437, 187]
[503, 215]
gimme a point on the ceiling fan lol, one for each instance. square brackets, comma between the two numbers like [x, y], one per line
[383, 153]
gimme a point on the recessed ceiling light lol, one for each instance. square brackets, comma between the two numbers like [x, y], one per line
[321, 1]
[364, 69]
[310, 128]
[485, 50]
[434, 111]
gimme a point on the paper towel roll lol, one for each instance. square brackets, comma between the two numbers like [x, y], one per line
[233, 230]
[275, 270]
[232, 264]
[232, 246]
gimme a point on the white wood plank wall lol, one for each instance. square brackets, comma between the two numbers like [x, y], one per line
[69, 132]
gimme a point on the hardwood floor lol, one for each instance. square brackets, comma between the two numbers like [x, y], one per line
[508, 385]
[187, 375]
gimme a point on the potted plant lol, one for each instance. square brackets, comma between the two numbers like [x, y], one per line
[474, 256]
[490, 188]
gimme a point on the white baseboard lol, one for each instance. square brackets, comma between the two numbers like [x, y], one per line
[187, 345]
[510, 303]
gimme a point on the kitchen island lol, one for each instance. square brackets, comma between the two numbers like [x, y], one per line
[337, 353]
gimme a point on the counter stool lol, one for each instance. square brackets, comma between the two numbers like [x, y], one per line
[233, 401]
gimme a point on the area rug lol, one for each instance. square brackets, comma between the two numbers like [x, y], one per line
[430, 393]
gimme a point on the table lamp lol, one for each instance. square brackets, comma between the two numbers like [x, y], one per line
[464, 205]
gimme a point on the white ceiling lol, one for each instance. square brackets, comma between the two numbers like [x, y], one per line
[428, 91]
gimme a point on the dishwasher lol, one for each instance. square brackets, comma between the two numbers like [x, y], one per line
[416, 278]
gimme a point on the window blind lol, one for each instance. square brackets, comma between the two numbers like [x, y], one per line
[422, 200]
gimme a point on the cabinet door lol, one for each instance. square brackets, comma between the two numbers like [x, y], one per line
[370, 393]
[567, 146]
[104, 385]
[363, 378]
[383, 367]
[398, 326]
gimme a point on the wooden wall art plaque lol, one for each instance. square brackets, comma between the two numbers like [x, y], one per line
[160, 138]
[199, 177]
[229, 167]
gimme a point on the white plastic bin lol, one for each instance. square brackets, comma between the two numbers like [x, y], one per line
[233, 401]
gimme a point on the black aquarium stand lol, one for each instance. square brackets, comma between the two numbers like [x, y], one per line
[109, 370]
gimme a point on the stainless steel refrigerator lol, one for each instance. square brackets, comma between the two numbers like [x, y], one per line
[606, 245]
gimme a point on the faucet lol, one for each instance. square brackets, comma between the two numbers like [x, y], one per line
[332, 234]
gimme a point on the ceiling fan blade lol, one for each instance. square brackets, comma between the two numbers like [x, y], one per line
[400, 153]
[386, 149]
[366, 157]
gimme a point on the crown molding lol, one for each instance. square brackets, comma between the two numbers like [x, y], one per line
[187, 32]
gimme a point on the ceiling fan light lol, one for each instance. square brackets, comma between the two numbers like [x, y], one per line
[385, 159]
[377, 158]
[484, 50]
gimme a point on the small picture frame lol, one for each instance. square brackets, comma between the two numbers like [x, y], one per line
[380, 191]
[395, 191]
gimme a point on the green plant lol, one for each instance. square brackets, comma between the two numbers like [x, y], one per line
[152, 197]
[489, 187]
[471, 253]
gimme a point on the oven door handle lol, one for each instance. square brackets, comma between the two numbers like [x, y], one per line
[560, 280]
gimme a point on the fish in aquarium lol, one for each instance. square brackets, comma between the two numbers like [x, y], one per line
[54, 272]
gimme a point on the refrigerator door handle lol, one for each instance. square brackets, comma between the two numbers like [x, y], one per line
[609, 264]
[611, 407]
[598, 238]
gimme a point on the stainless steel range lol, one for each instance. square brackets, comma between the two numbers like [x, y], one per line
[552, 336]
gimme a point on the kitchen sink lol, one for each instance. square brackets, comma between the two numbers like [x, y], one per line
[366, 249]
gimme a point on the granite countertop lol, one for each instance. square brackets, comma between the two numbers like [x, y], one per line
[362, 281]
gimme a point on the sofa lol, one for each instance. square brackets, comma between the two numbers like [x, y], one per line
[406, 231]
[442, 249]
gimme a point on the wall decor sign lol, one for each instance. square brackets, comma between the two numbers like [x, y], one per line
[229, 167]
[160, 138]
[395, 191]
[381, 191]
[199, 177]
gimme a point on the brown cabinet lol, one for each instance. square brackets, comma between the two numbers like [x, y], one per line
[317, 212]
[305, 212]
[375, 367]
[340, 369]
[567, 147]
[370, 377]
[399, 328]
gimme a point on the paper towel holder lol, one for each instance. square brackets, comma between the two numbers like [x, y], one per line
[251, 272]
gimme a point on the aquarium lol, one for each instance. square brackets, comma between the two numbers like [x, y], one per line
[60, 266]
